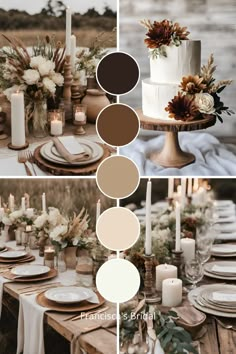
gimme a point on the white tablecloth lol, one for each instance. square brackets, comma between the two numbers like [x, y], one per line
[212, 157]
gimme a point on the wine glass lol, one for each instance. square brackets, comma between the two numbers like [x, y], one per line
[193, 272]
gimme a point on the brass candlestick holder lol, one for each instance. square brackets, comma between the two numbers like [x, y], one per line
[150, 293]
[177, 260]
[67, 79]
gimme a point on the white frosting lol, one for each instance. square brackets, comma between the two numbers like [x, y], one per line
[156, 97]
[180, 61]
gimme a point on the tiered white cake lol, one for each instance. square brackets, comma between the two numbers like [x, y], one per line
[166, 75]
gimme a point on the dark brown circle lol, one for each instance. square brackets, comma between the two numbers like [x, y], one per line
[117, 73]
[118, 124]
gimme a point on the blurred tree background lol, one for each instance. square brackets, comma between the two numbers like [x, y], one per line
[68, 195]
[52, 19]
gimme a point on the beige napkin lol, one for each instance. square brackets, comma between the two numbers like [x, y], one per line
[82, 156]
[88, 325]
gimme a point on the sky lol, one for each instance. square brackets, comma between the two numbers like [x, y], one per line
[76, 5]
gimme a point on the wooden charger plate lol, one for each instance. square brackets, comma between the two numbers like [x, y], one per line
[27, 258]
[51, 274]
[60, 170]
[78, 307]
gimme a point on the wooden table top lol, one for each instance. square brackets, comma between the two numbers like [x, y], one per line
[100, 341]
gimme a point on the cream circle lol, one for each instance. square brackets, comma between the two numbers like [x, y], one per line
[118, 280]
[118, 228]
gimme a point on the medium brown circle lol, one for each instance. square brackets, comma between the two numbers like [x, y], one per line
[118, 124]
[118, 73]
[117, 177]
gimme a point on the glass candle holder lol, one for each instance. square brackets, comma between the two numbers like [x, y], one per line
[79, 118]
[49, 254]
[55, 118]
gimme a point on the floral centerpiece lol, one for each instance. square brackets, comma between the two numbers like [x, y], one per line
[198, 97]
[146, 329]
[162, 34]
[38, 76]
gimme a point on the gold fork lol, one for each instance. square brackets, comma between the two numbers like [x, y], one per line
[30, 158]
[23, 159]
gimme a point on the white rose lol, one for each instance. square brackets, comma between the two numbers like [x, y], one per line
[57, 232]
[49, 85]
[31, 76]
[16, 215]
[36, 61]
[41, 220]
[58, 79]
[205, 103]
[9, 91]
[46, 68]
[6, 221]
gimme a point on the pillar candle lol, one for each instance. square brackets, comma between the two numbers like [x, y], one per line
[164, 271]
[44, 203]
[188, 248]
[171, 292]
[68, 31]
[56, 127]
[178, 226]
[148, 239]
[190, 187]
[11, 202]
[195, 184]
[98, 210]
[23, 203]
[170, 187]
[2, 212]
[73, 52]
[183, 192]
[49, 253]
[17, 119]
[80, 116]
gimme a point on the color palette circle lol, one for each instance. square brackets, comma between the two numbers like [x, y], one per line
[118, 280]
[118, 73]
[117, 177]
[118, 124]
[118, 229]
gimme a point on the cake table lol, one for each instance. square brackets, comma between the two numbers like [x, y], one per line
[172, 155]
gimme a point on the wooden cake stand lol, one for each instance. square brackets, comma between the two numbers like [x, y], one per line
[171, 154]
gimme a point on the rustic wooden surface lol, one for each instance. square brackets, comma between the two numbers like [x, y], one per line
[173, 125]
[100, 341]
[60, 170]
[211, 21]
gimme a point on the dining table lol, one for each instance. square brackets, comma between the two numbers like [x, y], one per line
[91, 336]
[9, 165]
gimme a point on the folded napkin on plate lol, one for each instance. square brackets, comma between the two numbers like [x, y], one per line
[30, 336]
[69, 148]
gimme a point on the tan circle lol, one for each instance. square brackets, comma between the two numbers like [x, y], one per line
[118, 280]
[117, 177]
[118, 228]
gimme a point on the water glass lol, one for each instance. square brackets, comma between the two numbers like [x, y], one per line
[194, 272]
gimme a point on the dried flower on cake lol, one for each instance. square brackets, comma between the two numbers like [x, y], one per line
[182, 107]
[192, 84]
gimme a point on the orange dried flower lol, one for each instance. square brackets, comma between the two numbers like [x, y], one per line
[159, 34]
[180, 32]
[192, 84]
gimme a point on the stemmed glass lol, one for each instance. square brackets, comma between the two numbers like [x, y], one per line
[193, 272]
[25, 241]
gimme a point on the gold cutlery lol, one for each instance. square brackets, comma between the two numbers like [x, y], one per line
[35, 288]
[23, 159]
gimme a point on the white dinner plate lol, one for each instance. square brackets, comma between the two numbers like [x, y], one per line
[193, 294]
[224, 250]
[12, 254]
[30, 270]
[48, 152]
[71, 294]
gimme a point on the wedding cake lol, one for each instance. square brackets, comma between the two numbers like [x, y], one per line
[172, 56]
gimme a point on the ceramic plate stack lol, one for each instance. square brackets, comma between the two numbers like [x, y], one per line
[224, 250]
[50, 153]
[225, 219]
[215, 299]
[71, 295]
[221, 270]
[15, 257]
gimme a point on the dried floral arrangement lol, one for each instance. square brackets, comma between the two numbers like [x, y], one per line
[162, 34]
[145, 329]
[198, 97]
[38, 75]
[88, 59]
